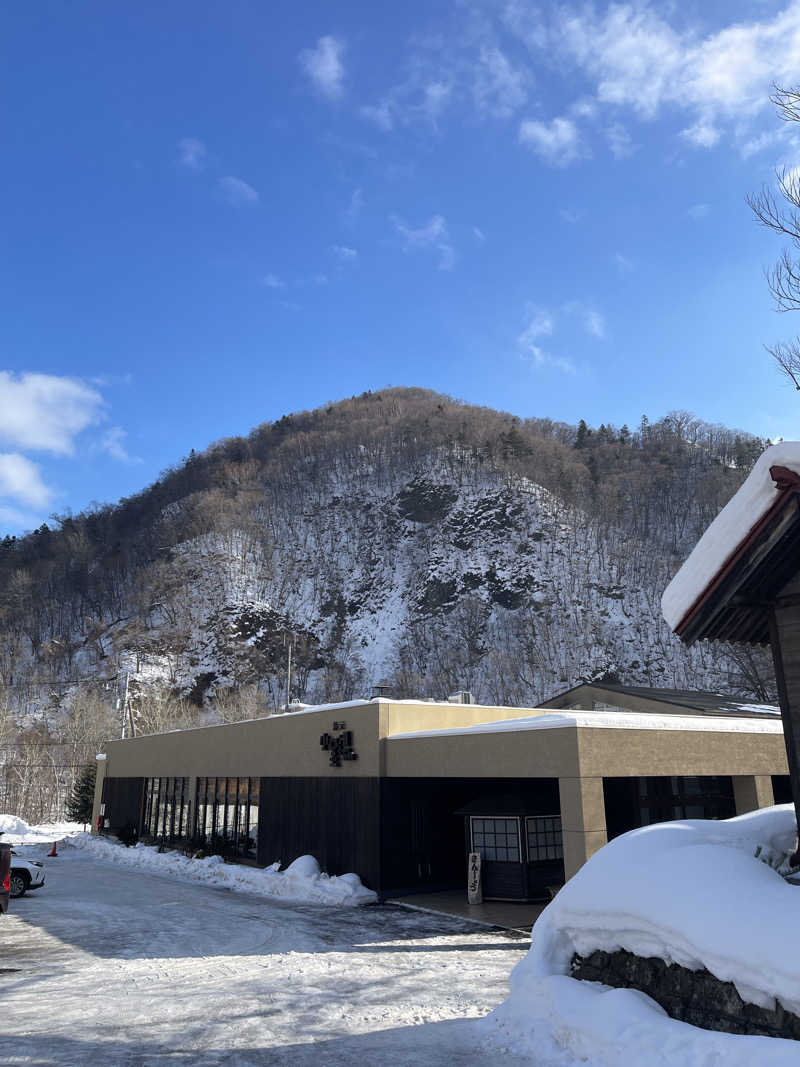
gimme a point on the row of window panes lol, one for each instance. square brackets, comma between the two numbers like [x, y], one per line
[545, 840]
[227, 814]
[498, 839]
[166, 810]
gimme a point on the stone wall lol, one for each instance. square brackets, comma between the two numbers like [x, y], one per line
[695, 997]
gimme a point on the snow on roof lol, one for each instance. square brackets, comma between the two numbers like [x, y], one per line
[751, 709]
[610, 720]
[727, 531]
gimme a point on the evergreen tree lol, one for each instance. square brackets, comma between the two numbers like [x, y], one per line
[583, 435]
[79, 803]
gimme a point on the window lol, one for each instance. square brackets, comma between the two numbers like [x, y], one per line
[166, 809]
[544, 836]
[227, 815]
[689, 797]
[496, 839]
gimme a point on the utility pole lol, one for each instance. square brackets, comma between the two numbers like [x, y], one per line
[288, 668]
[125, 716]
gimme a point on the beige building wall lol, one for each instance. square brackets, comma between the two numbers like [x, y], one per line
[583, 820]
[281, 746]
[752, 791]
[579, 757]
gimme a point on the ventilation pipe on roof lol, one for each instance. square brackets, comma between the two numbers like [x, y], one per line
[463, 696]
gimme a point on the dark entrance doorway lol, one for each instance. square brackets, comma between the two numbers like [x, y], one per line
[426, 832]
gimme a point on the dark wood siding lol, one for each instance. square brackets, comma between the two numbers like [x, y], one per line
[123, 800]
[333, 819]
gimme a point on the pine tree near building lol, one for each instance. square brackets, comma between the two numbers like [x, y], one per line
[79, 803]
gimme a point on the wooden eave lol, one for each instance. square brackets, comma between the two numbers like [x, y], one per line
[735, 605]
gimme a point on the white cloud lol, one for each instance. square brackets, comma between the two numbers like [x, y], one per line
[21, 480]
[113, 443]
[355, 206]
[541, 324]
[192, 153]
[499, 88]
[344, 254]
[381, 114]
[591, 319]
[631, 59]
[703, 134]
[44, 412]
[619, 141]
[698, 211]
[323, 65]
[15, 519]
[570, 215]
[238, 192]
[478, 234]
[558, 142]
[433, 235]
[272, 281]
[595, 324]
[638, 60]
[622, 263]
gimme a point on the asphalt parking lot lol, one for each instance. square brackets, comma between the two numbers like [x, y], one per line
[116, 966]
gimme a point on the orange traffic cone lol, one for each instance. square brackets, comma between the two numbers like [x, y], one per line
[53, 851]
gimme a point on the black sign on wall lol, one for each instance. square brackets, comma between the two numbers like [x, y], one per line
[339, 744]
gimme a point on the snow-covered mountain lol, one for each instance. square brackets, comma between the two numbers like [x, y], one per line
[398, 537]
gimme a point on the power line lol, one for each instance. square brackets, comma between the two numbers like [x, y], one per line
[58, 681]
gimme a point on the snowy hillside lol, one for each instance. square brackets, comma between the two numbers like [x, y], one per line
[398, 537]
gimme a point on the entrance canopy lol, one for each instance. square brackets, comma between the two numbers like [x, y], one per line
[750, 552]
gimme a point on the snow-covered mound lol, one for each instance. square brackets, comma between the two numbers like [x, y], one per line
[302, 880]
[12, 824]
[692, 893]
[15, 831]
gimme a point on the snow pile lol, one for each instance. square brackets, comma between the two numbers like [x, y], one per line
[15, 831]
[691, 893]
[302, 880]
[12, 824]
[727, 531]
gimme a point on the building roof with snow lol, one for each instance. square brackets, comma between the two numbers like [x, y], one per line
[611, 696]
[747, 555]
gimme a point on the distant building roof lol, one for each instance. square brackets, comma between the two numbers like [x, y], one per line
[682, 700]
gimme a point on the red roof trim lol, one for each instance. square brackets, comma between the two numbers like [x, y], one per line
[788, 487]
[784, 477]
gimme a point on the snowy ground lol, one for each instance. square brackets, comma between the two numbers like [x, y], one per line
[113, 965]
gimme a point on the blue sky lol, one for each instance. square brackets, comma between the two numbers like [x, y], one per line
[218, 214]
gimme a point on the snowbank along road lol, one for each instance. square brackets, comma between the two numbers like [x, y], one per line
[114, 966]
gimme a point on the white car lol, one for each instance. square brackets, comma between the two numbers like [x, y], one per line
[25, 874]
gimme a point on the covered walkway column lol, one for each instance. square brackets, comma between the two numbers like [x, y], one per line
[752, 791]
[583, 820]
